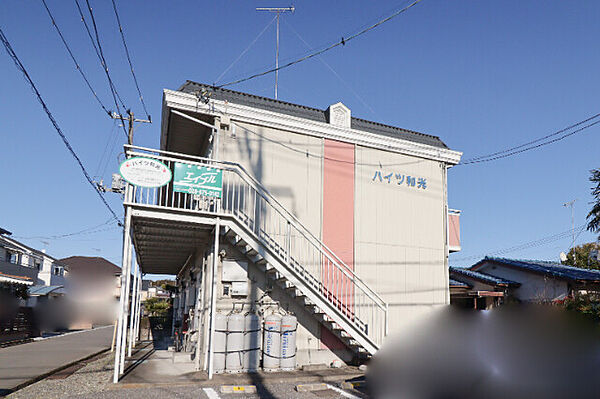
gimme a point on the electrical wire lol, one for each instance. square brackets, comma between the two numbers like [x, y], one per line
[332, 70]
[528, 245]
[246, 50]
[88, 230]
[77, 66]
[100, 53]
[313, 155]
[342, 42]
[137, 86]
[21, 68]
[530, 145]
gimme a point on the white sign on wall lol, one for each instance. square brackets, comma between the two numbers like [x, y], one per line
[145, 172]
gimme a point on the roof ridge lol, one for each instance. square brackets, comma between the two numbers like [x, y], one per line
[191, 82]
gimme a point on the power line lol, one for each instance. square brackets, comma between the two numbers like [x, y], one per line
[137, 86]
[319, 156]
[100, 53]
[342, 42]
[77, 66]
[21, 68]
[332, 70]
[89, 230]
[532, 244]
[530, 145]
[245, 51]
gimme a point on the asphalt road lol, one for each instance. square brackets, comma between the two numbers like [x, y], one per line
[22, 363]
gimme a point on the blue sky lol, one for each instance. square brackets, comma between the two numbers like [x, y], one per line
[482, 75]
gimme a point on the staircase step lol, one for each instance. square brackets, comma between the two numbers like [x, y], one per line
[258, 260]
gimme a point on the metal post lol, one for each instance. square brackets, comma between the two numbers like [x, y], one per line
[277, 57]
[132, 309]
[126, 249]
[199, 305]
[126, 307]
[138, 308]
[278, 11]
[213, 300]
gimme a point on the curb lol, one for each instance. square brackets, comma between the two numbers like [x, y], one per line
[56, 370]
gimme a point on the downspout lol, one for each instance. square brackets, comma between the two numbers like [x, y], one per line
[446, 233]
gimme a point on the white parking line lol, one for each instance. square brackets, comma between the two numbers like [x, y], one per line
[342, 392]
[211, 393]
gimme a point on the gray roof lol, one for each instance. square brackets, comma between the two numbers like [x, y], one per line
[548, 268]
[42, 290]
[314, 114]
[456, 283]
[459, 273]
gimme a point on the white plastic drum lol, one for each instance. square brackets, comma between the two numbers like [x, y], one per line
[289, 325]
[235, 343]
[220, 342]
[272, 343]
[252, 339]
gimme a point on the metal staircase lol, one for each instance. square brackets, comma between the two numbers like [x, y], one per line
[275, 240]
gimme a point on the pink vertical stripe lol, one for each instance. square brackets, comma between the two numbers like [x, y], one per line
[338, 226]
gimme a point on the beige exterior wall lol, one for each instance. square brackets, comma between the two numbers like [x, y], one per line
[278, 159]
[399, 233]
[399, 230]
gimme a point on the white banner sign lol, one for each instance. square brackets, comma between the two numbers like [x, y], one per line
[145, 172]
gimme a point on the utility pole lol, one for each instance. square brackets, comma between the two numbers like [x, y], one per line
[571, 205]
[129, 118]
[277, 10]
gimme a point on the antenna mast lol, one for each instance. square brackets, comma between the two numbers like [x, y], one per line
[571, 205]
[277, 10]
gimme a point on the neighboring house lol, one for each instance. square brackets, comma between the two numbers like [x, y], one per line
[158, 292]
[86, 271]
[518, 279]
[540, 281]
[478, 290]
[340, 220]
[22, 261]
[94, 284]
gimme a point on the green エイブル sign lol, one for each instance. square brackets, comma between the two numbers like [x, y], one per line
[198, 180]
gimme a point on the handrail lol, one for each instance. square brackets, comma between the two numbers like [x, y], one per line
[268, 197]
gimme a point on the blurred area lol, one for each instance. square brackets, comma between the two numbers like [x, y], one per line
[532, 351]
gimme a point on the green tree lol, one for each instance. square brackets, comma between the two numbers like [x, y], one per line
[157, 306]
[579, 256]
[594, 216]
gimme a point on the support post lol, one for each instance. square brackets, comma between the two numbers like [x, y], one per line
[138, 308]
[213, 299]
[132, 308]
[126, 306]
[199, 304]
[126, 250]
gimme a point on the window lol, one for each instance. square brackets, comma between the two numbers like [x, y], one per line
[37, 264]
[13, 257]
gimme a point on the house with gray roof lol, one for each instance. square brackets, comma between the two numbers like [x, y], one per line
[540, 281]
[478, 290]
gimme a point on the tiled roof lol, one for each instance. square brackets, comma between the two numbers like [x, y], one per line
[456, 283]
[314, 114]
[544, 267]
[458, 272]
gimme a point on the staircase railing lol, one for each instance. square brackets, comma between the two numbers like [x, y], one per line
[247, 200]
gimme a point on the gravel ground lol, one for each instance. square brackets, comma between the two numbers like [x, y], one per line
[95, 381]
[92, 378]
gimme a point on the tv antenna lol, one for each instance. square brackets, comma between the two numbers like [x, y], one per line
[571, 204]
[278, 11]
